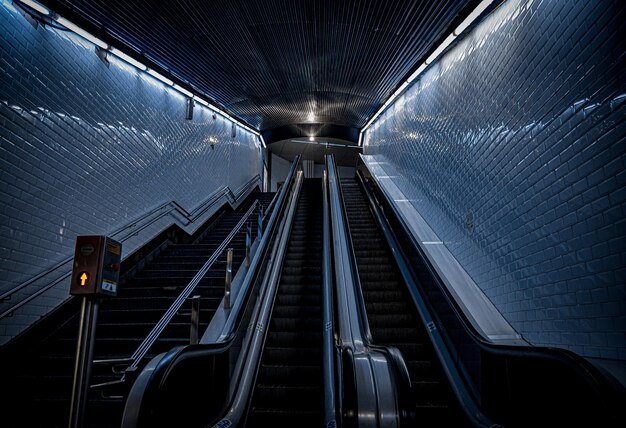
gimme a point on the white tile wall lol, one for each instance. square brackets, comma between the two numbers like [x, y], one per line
[86, 149]
[520, 131]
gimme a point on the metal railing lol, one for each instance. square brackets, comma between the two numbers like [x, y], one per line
[132, 229]
[156, 331]
[152, 400]
[249, 362]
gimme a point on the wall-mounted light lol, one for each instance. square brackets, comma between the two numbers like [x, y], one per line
[472, 16]
[431, 58]
[160, 77]
[82, 33]
[183, 91]
[36, 6]
[121, 55]
[103, 56]
[105, 49]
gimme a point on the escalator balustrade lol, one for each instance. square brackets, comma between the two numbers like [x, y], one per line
[392, 315]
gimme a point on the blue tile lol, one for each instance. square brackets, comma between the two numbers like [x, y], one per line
[549, 148]
[61, 157]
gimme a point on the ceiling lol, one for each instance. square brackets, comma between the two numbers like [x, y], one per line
[278, 65]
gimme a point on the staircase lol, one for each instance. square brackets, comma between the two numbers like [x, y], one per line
[41, 385]
[289, 386]
[392, 316]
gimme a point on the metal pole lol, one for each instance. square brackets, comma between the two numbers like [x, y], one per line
[84, 358]
[259, 231]
[229, 277]
[195, 320]
[248, 243]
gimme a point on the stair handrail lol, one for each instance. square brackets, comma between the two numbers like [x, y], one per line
[377, 374]
[601, 382]
[158, 371]
[137, 356]
[190, 216]
[171, 312]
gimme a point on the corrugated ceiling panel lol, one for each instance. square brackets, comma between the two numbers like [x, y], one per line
[275, 63]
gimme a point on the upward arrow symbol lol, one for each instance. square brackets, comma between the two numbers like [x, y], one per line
[83, 279]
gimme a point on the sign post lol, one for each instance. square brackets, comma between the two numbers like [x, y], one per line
[95, 273]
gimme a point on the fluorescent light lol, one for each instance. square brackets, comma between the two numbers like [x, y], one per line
[360, 138]
[417, 72]
[262, 140]
[402, 87]
[440, 49]
[85, 35]
[466, 23]
[121, 55]
[201, 101]
[39, 8]
[183, 91]
[472, 16]
[159, 77]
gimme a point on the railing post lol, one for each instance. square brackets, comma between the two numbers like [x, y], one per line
[248, 242]
[195, 320]
[259, 231]
[229, 277]
[84, 358]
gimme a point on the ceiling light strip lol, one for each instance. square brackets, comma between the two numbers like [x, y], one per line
[431, 59]
[129, 60]
[36, 6]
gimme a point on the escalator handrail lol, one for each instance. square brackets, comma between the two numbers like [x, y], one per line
[465, 398]
[231, 325]
[376, 379]
[609, 389]
[328, 347]
[151, 380]
[345, 265]
[365, 325]
[243, 384]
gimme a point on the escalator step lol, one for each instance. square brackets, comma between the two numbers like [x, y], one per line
[289, 388]
[392, 316]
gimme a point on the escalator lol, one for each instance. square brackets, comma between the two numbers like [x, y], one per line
[393, 318]
[289, 386]
[41, 382]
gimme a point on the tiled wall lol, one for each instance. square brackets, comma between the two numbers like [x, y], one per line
[85, 149]
[514, 146]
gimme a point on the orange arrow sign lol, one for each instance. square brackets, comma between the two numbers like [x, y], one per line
[83, 279]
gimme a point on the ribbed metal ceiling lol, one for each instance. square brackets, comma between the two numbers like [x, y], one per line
[277, 63]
